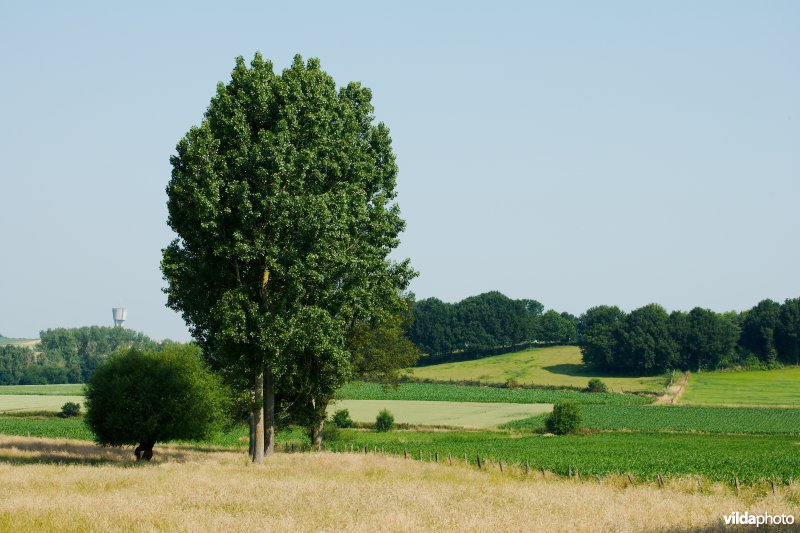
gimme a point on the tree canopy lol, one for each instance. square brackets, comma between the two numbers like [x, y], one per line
[283, 200]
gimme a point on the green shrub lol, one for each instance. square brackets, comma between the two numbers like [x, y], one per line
[384, 421]
[70, 410]
[597, 385]
[137, 397]
[342, 419]
[566, 418]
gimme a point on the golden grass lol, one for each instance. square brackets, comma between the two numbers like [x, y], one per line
[191, 490]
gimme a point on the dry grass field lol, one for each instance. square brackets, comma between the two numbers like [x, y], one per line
[49, 485]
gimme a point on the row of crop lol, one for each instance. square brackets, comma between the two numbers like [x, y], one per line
[678, 418]
[645, 455]
[456, 393]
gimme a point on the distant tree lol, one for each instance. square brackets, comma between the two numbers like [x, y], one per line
[599, 329]
[787, 332]
[432, 330]
[556, 327]
[711, 338]
[758, 330]
[70, 410]
[648, 346]
[147, 397]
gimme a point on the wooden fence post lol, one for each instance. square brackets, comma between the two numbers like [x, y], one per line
[630, 478]
[660, 480]
[774, 488]
[480, 465]
[437, 457]
[449, 458]
[420, 455]
[466, 460]
[501, 466]
[405, 453]
[570, 471]
[736, 480]
[527, 468]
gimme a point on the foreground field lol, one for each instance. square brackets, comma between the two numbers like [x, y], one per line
[188, 490]
[559, 366]
[467, 414]
[758, 387]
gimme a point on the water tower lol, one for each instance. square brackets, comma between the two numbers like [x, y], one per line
[120, 315]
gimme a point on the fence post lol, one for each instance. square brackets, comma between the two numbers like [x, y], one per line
[365, 449]
[630, 478]
[466, 460]
[660, 480]
[570, 471]
[599, 481]
[405, 453]
[736, 479]
[774, 488]
[480, 465]
[420, 455]
[527, 468]
[449, 458]
[501, 466]
[437, 457]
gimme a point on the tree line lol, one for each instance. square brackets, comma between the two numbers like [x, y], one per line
[486, 322]
[66, 355]
[649, 340]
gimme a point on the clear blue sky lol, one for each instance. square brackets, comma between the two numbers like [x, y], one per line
[571, 152]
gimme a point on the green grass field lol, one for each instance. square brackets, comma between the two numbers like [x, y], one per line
[559, 366]
[757, 387]
[72, 389]
[6, 340]
[716, 457]
[10, 403]
[460, 414]
[444, 392]
[651, 418]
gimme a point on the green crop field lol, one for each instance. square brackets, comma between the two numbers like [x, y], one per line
[559, 366]
[19, 403]
[459, 393]
[462, 414]
[72, 389]
[757, 387]
[715, 457]
[758, 420]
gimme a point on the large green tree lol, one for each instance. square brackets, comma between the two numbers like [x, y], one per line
[283, 202]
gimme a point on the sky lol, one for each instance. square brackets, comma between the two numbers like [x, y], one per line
[577, 153]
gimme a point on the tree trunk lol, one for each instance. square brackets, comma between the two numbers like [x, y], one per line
[251, 424]
[258, 418]
[269, 408]
[144, 451]
[316, 433]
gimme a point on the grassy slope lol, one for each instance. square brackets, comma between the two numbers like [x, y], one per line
[559, 366]
[6, 340]
[464, 414]
[758, 387]
[57, 485]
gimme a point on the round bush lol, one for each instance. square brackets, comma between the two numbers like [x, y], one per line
[342, 419]
[70, 410]
[565, 418]
[384, 421]
[596, 385]
[137, 397]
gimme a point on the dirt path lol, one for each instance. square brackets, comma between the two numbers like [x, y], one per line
[674, 393]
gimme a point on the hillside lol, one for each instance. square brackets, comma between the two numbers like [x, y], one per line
[758, 387]
[559, 366]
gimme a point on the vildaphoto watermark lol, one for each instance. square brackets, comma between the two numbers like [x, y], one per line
[747, 519]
